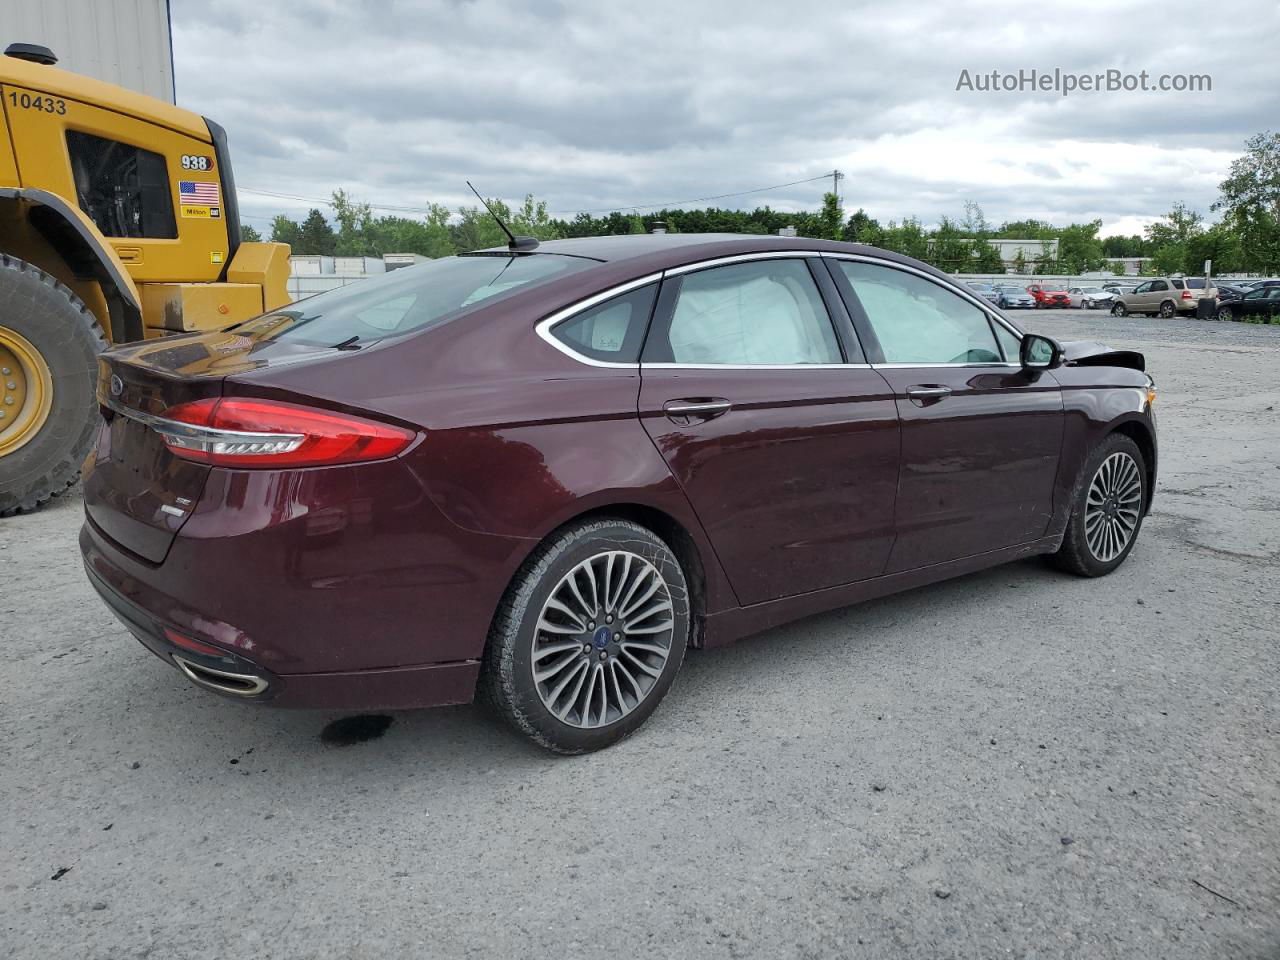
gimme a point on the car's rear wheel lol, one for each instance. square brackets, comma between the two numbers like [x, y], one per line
[1119, 310]
[1167, 309]
[589, 636]
[1108, 509]
[1226, 313]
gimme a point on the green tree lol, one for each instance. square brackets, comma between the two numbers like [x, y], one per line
[248, 234]
[986, 257]
[950, 249]
[908, 238]
[862, 228]
[316, 235]
[284, 230]
[1167, 238]
[827, 225]
[1079, 249]
[530, 219]
[1251, 202]
[355, 222]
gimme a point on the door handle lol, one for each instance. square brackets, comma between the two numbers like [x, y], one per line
[922, 393]
[696, 409]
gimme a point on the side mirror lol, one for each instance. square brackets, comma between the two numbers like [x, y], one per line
[1040, 353]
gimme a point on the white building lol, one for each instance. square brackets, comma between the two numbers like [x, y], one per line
[126, 42]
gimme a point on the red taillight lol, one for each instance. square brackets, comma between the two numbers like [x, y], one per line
[1186, 294]
[239, 432]
[195, 646]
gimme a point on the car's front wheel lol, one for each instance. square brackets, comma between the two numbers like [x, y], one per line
[1226, 313]
[1108, 509]
[589, 636]
[1119, 310]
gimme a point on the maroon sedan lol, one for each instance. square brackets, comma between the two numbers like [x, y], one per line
[543, 473]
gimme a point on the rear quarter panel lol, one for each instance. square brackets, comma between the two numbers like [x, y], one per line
[520, 438]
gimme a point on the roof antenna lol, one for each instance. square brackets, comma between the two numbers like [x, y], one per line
[516, 243]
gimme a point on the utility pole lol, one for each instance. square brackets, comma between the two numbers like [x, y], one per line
[836, 177]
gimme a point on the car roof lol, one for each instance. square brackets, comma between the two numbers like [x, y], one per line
[627, 246]
[626, 256]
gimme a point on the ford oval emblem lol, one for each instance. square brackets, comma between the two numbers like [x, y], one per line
[117, 386]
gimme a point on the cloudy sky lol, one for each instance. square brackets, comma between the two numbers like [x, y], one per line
[616, 105]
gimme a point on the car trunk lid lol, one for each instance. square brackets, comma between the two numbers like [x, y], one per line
[136, 491]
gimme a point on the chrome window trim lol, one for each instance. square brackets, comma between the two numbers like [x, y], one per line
[756, 366]
[543, 328]
[740, 258]
[890, 366]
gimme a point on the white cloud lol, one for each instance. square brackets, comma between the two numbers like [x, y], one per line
[595, 105]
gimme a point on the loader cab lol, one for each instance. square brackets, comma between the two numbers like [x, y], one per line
[153, 178]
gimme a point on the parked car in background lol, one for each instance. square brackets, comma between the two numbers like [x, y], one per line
[1014, 298]
[1167, 296]
[1049, 296]
[1260, 305]
[544, 471]
[1119, 286]
[985, 290]
[1228, 291]
[1090, 297]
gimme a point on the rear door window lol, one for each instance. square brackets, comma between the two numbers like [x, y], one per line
[761, 313]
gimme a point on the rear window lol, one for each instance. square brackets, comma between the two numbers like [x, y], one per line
[409, 299]
[1195, 283]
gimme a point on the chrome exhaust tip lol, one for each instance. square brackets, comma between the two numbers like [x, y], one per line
[236, 684]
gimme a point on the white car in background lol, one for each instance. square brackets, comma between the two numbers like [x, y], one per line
[1090, 297]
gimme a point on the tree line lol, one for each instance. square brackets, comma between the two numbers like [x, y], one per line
[1246, 238]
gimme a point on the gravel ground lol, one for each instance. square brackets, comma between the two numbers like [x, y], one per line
[1017, 763]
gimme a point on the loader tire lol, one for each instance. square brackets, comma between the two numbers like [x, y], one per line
[49, 346]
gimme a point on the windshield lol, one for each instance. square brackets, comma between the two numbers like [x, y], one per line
[408, 299]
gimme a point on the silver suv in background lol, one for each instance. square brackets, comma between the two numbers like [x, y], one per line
[1167, 296]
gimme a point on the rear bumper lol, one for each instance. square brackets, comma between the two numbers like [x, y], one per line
[219, 658]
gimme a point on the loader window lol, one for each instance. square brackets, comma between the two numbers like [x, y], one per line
[124, 189]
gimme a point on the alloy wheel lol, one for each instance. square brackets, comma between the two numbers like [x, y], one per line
[1113, 507]
[602, 639]
[1225, 314]
[1166, 309]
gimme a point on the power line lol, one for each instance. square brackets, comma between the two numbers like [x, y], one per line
[625, 206]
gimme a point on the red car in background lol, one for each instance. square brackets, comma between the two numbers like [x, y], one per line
[1045, 297]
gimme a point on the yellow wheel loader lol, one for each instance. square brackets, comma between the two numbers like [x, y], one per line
[118, 221]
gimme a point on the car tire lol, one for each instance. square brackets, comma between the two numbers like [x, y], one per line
[1119, 310]
[49, 403]
[1108, 507]
[1226, 314]
[1086, 304]
[1167, 309]
[541, 673]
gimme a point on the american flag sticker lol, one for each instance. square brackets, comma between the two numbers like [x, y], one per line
[197, 193]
